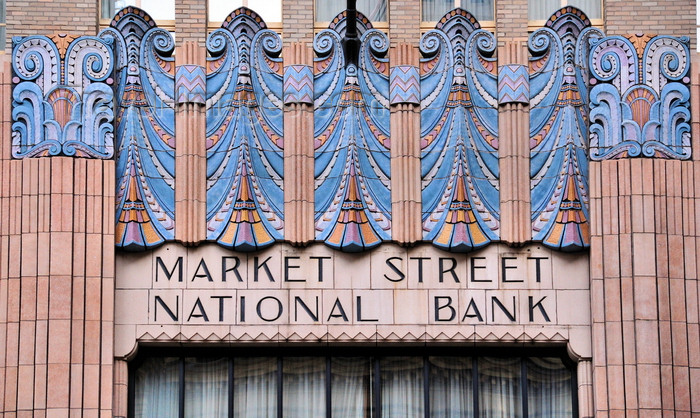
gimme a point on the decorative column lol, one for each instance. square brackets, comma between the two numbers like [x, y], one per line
[404, 92]
[57, 231]
[514, 140]
[584, 373]
[644, 248]
[298, 56]
[190, 148]
[299, 143]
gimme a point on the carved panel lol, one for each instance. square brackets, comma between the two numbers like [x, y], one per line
[640, 104]
[62, 97]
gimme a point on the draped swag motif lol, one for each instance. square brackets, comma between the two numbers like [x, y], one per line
[245, 198]
[145, 126]
[459, 134]
[351, 131]
[558, 130]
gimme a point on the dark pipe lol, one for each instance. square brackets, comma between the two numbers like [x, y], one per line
[351, 42]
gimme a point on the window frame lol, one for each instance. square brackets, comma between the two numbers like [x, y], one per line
[533, 25]
[3, 25]
[213, 25]
[426, 25]
[375, 354]
[168, 25]
[382, 25]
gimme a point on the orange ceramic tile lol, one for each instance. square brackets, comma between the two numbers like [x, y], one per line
[91, 390]
[631, 401]
[76, 383]
[679, 335]
[613, 342]
[647, 335]
[616, 387]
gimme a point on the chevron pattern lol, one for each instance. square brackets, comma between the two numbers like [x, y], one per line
[190, 84]
[513, 84]
[404, 85]
[298, 84]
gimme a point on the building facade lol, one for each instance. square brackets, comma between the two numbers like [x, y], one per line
[295, 208]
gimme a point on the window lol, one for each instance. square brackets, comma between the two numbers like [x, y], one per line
[3, 35]
[160, 10]
[269, 10]
[697, 22]
[374, 10]
[541, 10]
[441, 385]
[433, 10]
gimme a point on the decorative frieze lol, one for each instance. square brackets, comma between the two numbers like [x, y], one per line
[190, 84]
[404, 85]
[496, 294]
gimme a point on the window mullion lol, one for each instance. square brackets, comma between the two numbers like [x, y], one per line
[230, 387]
[426, 388]
[181, 387]
[329, 387]
[377, 389]
[475, 385]
[523, 385]
[280, 395]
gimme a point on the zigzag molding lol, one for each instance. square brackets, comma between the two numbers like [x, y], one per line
[359, 334]
[513, 84]
[576, 339]
[404, 85]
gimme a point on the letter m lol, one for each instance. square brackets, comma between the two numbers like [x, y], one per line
[160, 266]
